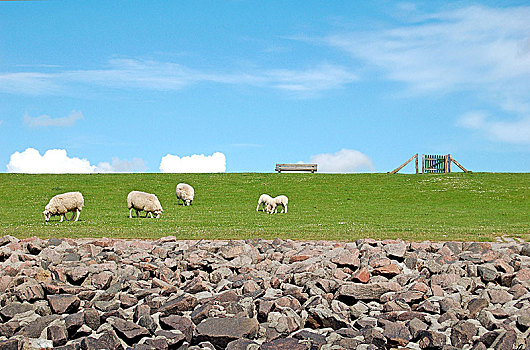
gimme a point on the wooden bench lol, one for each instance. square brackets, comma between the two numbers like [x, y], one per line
[296, 167]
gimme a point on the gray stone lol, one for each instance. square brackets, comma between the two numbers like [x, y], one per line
[148, 323]
[129, 331]
[175, 339]
[29, 292]
[73, 322]
[350, 292]
[523, 322]
[10, 344]
[92, 318]
[179, 323]
[397, 334]
[487, 272]
[431, 339]
[476, 305]
[15, 308]
[285, 344]
[221, 331]
[34, 328]
[242, 344]
[102, 280]
[415, 326]
[107, 341]
[57, 334]
[505, 341]
[186, 302]
[462, 334]
[77, 274]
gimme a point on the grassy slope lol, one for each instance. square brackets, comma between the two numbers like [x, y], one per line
[477, 206]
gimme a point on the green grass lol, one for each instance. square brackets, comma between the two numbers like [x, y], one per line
[457, 206]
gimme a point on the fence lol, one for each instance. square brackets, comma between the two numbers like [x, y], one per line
[432, 163]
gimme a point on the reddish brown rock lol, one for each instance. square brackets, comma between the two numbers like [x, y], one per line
[174, 322]
[64, 303]
[102, 280]
[397, 334]
[362, 275]
[387, 270]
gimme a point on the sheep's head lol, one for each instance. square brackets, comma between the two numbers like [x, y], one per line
[188, 202]
[158, 213]
[47, 215]
[270, 208]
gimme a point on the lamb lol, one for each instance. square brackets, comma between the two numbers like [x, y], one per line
[264, 199]
[185, 193]
[282, 200]
[63, 203]
[147, 202]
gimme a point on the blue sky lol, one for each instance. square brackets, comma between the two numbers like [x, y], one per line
[238, 86]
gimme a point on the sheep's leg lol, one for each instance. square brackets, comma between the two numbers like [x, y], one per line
[73, 214]
[130, 213]
[286, 209]
[257, 208]
[149, 213]
[62, 217]
[137, 213]
[78, 213]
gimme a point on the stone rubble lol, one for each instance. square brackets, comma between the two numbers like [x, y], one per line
[261, 294]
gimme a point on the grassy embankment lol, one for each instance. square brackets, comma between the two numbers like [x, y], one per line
[474, 206]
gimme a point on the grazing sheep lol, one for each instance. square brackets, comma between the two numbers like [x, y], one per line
[63, 203]
[185, 193]
[272, 207]
[147, 202]
[264, 199]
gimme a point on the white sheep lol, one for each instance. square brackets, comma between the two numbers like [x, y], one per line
[185, 193]
[63, 203]
[147, 202]
[282, 200]
[264, 199]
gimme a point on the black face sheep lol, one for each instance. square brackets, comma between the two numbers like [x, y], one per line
[185, 193]
[264, 199]
[63, 203]
[147, 202]
[272, 207]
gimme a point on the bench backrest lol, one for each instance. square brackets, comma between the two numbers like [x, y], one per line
[296, 167]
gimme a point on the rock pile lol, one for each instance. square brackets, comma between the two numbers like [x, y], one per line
[258, 294]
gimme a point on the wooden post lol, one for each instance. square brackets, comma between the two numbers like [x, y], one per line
[458, 164]
[407, 162]
[449, 163]
[423, 163]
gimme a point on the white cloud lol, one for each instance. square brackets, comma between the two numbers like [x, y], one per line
[468, 48]
[343, 161]
[121, 166]
[30, 83]
[45, 120]
[156, 75]
[57, 161]
[517, 131]
[323, 77]
[52, 161]
[479, 50]
[196, 163]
